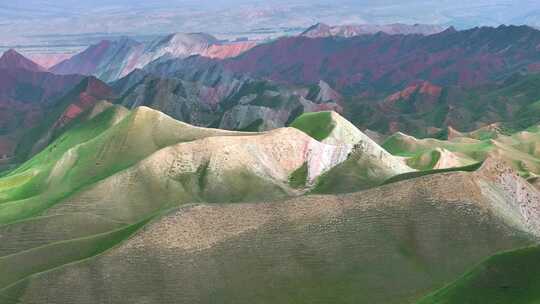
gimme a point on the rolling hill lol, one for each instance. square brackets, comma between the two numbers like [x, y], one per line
[519, 150]
[210, 171]
[415, 236]
[132, 201]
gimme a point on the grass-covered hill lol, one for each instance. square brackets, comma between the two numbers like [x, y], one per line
[416, 236]
[520, 150]
[130, 206]
[114, 170]
[508, 277]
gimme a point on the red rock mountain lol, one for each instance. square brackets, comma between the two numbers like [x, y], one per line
[30, 97]
[388, 63]
[81, 98]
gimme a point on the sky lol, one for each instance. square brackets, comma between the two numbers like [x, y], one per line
[76, 22]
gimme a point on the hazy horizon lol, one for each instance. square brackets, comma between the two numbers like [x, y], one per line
[72, 24]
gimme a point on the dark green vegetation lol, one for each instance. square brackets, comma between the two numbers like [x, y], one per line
[519, 150]
[354, 174]
[509, 277]
[417, 174]
[513, 103]
[298, 178]
[317, 125]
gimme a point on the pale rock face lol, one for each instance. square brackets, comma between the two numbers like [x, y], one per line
[229, 50]
[327, 94]
[448, 159]
[176, 45]
[346, 132]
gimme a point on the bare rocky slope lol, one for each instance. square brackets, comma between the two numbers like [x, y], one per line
[223, 100]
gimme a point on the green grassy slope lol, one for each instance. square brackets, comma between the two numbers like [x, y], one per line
[93, 181]
[355, 174]
[368, 164]
[83, 156]
[318, 125]
[417, 174]
[520, 150]
[385, 245]
[18, 266]
[509, 277]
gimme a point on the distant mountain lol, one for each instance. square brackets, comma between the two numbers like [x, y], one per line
[11, 59]
[48, 60]
[106, 60]
[425, 109]
[370, 64]
[388, 83]
[321, 30]
[112, 60]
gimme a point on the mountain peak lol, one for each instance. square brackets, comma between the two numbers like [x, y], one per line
[317, 30]
[189, 38]
[11, 59]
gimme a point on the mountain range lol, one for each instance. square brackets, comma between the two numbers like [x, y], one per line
[383, 164]
[322, 30]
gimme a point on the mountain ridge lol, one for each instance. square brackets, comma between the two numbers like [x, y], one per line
[321, 30]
